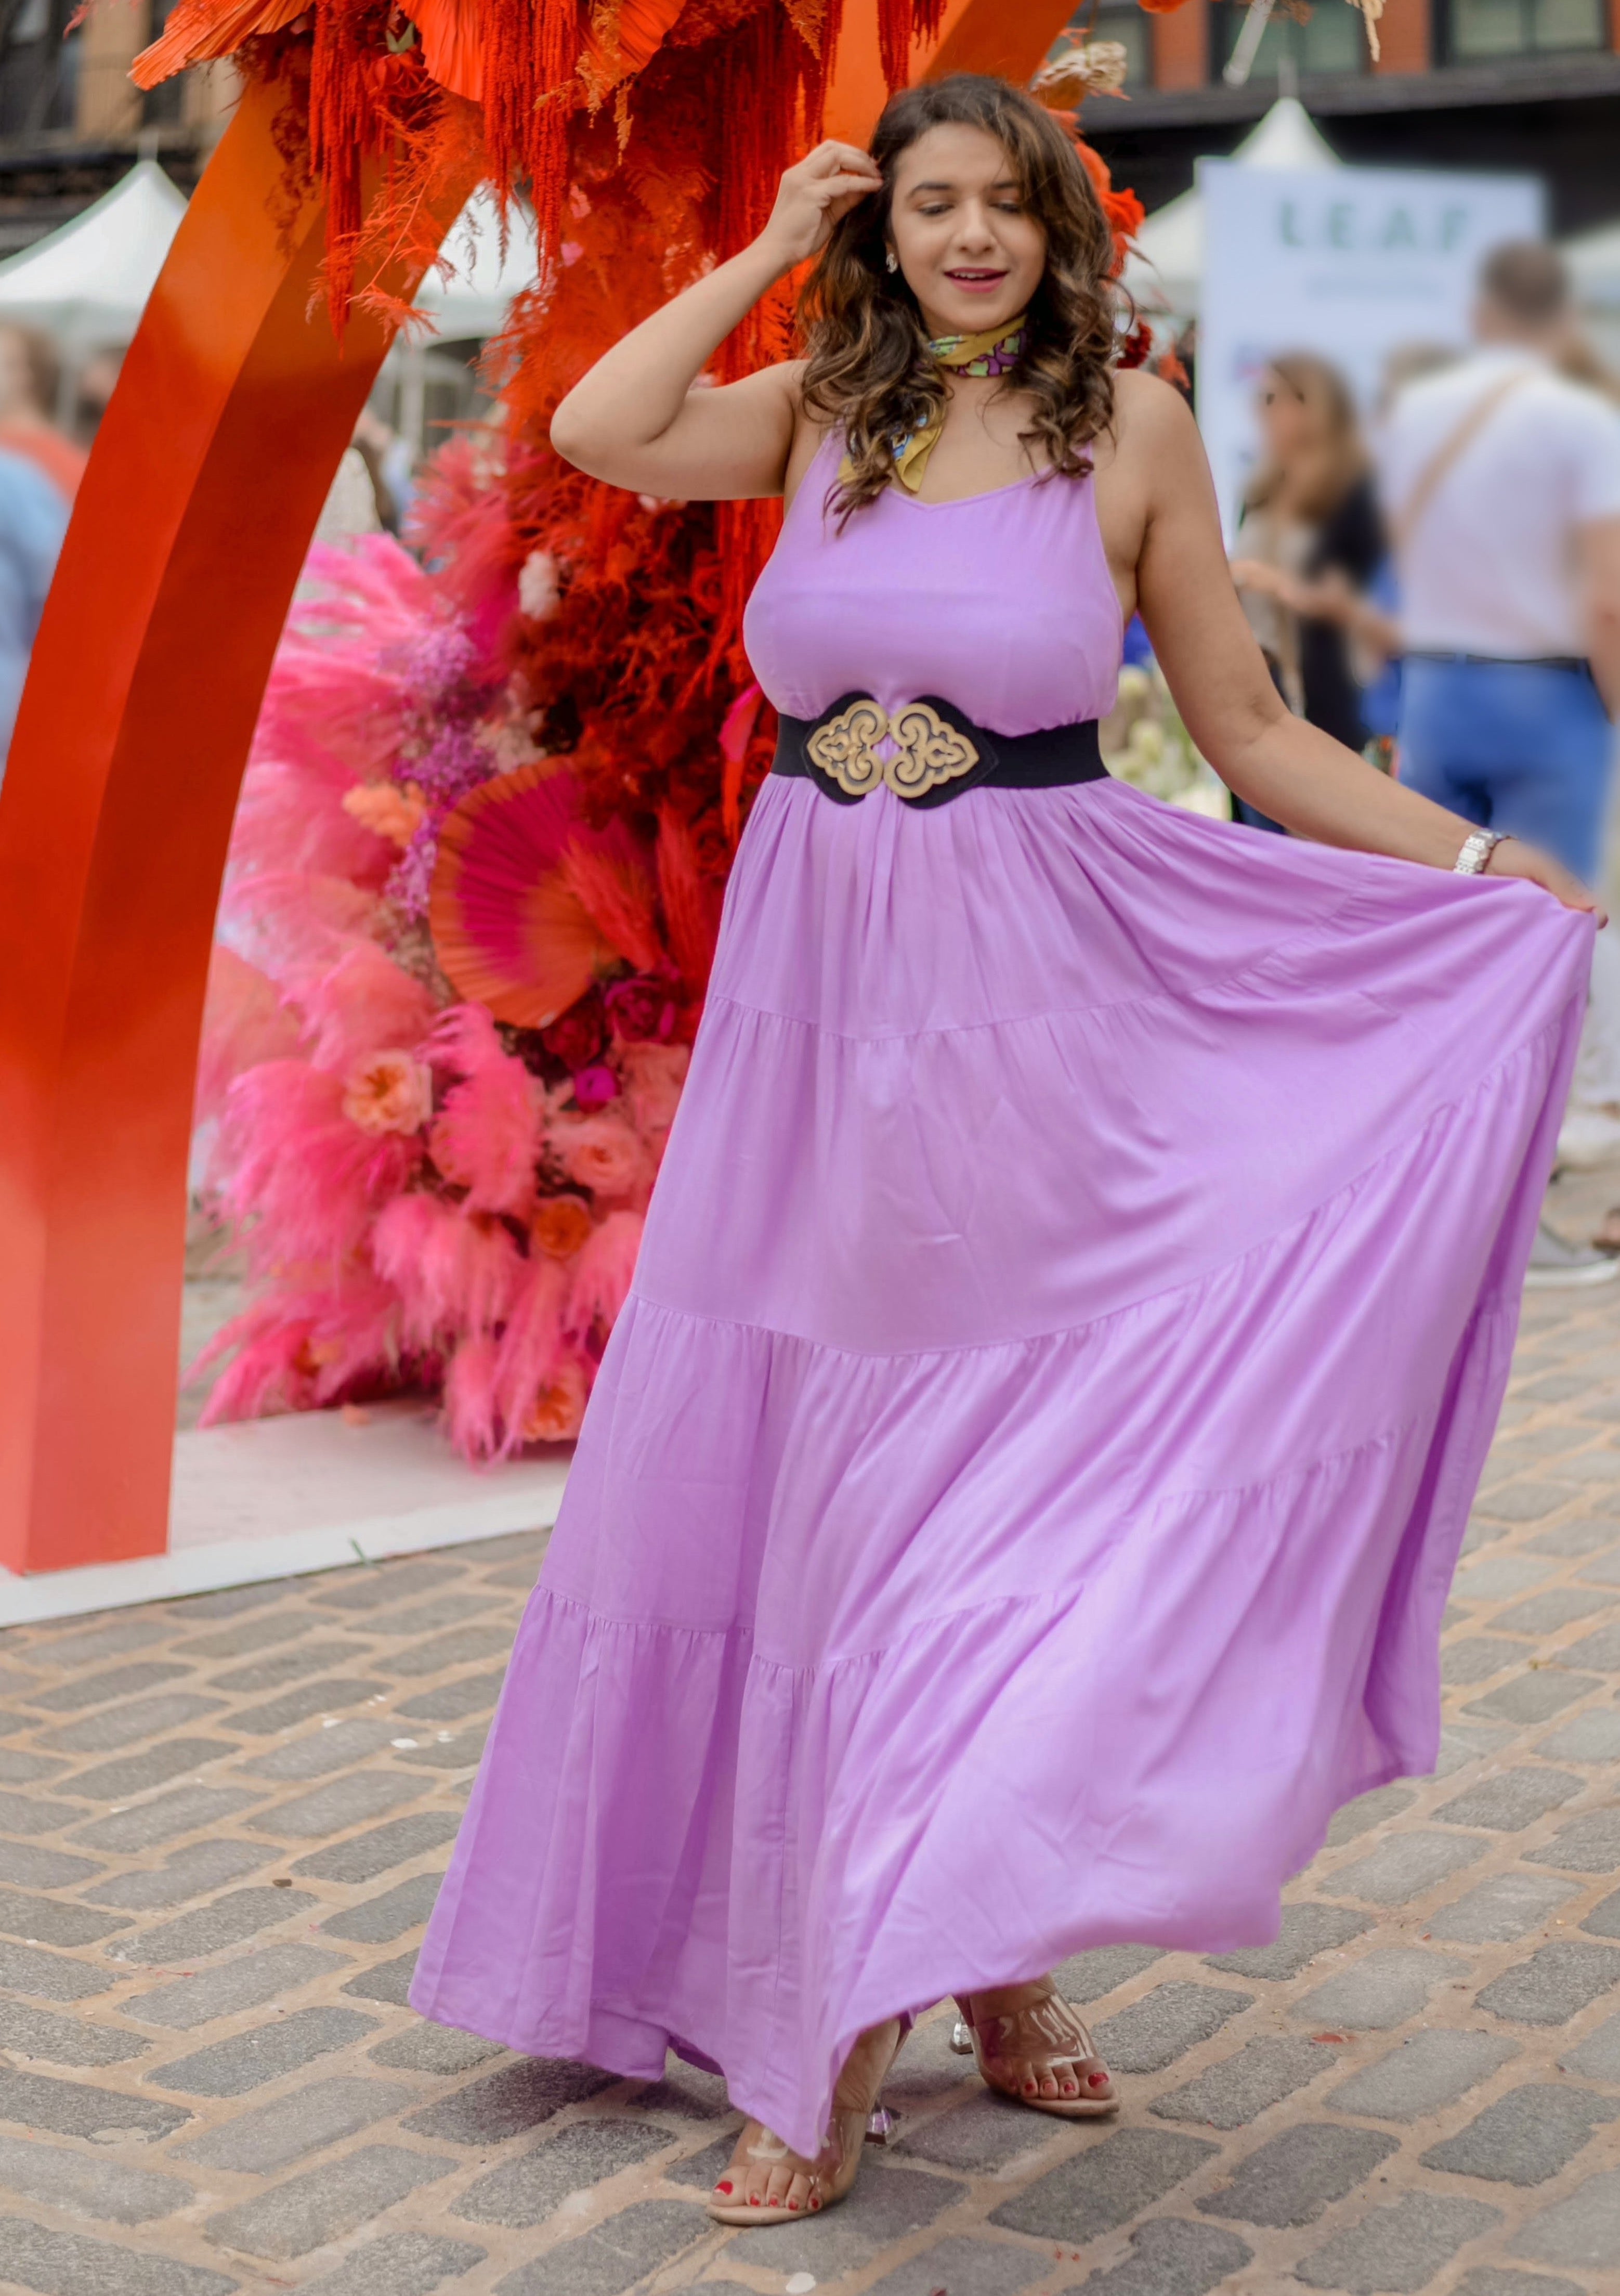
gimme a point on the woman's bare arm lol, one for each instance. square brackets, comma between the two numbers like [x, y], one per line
[640, 418]
[1284, 768]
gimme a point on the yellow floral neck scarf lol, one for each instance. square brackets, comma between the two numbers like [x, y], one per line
[997, 352]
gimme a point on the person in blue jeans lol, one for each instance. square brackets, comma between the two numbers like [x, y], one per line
[33, 519]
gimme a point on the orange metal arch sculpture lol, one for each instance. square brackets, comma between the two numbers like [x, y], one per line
[236, 404]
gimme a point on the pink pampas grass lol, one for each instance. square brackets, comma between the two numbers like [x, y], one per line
[470, 1398]
[602, 1274]
[244, 1022]
[487, 1136]
[453, 1271]
[364, 1004]
[303, 1183]
[295, 1352]
[531, 1348]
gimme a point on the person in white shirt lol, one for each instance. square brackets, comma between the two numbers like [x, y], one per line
[1501, 482]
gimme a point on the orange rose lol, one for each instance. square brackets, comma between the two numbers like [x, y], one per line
[560, 1225]
[604, 1156]
[388, 810]
[556, 1412]
[390, 1091]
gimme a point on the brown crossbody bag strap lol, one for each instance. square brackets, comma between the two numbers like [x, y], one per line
[1444, 458]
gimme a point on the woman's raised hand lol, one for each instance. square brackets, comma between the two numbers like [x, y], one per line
[813, 195]
[1513, 858]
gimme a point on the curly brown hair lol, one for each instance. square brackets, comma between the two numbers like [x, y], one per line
[869, 371]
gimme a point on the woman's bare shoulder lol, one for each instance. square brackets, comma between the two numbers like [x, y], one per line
[1147, 409]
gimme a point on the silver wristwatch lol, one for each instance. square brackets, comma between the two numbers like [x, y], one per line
[1478, 848]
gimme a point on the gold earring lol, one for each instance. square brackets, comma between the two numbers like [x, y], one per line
[892, 260]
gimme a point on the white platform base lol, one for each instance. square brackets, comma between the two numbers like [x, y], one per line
[273, 1498]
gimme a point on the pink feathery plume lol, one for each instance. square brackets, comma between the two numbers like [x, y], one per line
[530, 1346]
[616, 894]
[244, 1022]
[288, 922]
[343, 671]
[452, 1271]
[301, 1180]
[602, 1274]
[470, 1411]
[691, 902]
[364, 1004]
[487, 1136]
[295, 1352]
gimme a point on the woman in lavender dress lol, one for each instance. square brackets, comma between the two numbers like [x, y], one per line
[1019, 1497]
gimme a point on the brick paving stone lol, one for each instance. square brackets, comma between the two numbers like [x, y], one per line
[1382, 1989]
[188, 1873]
[121, 1725]
[458, 1647]
[131, 1630]
[81, 2109]
[1592, 1737]
[1368, 1810]
[1497, 1577]
[316, 2114]
[46, 1920]
[1404, 1866]
[136, 1774]
[888, 2203]
[452, 1702]
[230, 1920]
[379, 1921]
[1554, 1984]
[520, 2097]
[526, 2191]
[1502, 1910]
[29, 2032]
[1600, 1650]
[1165, 2024]
[1306, 1931]
[704, 2169]
[1292, 2178]
[247, 2061]
[152, 1823]
[1475, 1658]
[24, 1814]
[322, 1751]
[374, 1590]
[83, 2186]
[694, 2094]
[447, 1751]
[245, 1983]
[1524, 1501]
[226, 1602]
[254, 1633]
[975, 2268]
[1532, 1697]
[1589, 1844]
[1097, 2191]
[1087, 1977]
[425, 1617]
[324, 2204]
[1399, 2248]
[984, 2134]
[66, 2264]
[1597, 2057]
[367, 1855]
[1425, 2074]
[1239, 2089]
[96, 1689]
[1552, 1608]
[1487, 2280]
[1583, 2230]
[18, 1769]
[399, 2264]
[1170, 2257]
[50, 1976]
[341, 1803]
[288, 1665]
[1525, 2136]
[388, 1981]
[618, 2255]
[302, 1704]
[1510, 1801]
[424, 2048]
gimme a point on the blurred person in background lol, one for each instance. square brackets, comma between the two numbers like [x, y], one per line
[1310, 543]
[1501, 482]
[33, 519]
[30, 378]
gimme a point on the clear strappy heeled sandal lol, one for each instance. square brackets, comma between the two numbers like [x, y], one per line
[858, 2117]
[1032, 2033]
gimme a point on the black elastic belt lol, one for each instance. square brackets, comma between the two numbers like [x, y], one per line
[928, 752]
[1505, 660]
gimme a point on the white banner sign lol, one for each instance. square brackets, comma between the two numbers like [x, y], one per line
[1352, 263]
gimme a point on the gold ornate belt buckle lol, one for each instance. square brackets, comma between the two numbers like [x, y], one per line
[926, 749]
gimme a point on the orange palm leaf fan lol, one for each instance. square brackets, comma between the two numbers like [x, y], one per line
[509, 926]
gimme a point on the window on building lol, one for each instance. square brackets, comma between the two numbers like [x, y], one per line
[1116, 20]
[1331, 39]
[1481, 29]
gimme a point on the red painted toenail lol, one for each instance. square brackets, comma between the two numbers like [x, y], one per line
[793, 2204]
[1098, 2080]
[753, 2200]
[723, 2188]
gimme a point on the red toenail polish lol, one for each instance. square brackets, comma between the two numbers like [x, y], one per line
[793, 2204]
[753, 2200]
[723, 2188]
[1098, 2080]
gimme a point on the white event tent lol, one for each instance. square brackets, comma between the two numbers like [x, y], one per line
[87, 282]
[1166, 270]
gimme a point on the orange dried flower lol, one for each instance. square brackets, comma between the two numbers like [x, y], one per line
[560, 1227]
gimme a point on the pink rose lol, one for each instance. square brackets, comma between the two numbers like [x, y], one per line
[640, 1008]
[577, 1036]
[603, 1155]
[654, 1076]
[390, 1091]
[594, 1087]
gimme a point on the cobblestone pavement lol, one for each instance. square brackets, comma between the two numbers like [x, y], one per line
[223, 1821]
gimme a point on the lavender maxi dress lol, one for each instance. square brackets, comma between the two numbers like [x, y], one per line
[1020, 1495]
